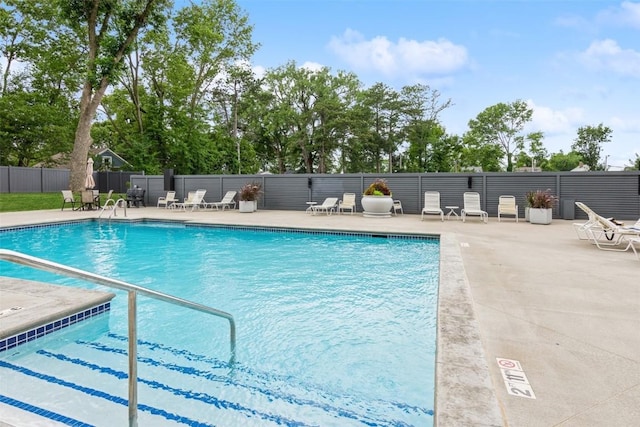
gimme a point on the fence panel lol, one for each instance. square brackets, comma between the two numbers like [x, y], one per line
[612, 194]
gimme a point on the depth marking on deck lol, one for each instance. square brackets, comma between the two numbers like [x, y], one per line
[514, 378]
[464, 244]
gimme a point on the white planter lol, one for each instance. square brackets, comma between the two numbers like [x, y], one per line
[526, 213]
[377, 206]
[248, 206]
[540, 216]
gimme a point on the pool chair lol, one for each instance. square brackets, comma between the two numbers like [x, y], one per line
[397, 207]
[432, 205]
[67, 197]
[193, 201]
[167, 200]
[507, 206]
[582, 227]
[227, 202]
[609, 236]
[472, 207]
[348, 202]
[328, 206]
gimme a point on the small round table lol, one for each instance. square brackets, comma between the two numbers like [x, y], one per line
[452, 211]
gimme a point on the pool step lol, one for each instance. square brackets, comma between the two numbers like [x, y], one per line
[179, 387]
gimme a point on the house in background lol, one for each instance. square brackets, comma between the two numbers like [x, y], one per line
[581, 168]
[103, 160]
[107, 160]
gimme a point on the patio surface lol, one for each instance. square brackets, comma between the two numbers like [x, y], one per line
[568, 312]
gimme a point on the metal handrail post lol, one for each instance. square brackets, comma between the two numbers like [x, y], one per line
[133, 361]
[133, 290]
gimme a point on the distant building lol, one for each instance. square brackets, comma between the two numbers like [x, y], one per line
[472, 169]
[581, 168]
[108, 160]
[528, 169]
[104, 160]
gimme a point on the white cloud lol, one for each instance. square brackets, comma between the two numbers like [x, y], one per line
[552, 121]
[609, 56]
[628, 14]
[624, 124]
[259, 71]
[404, 57]
[312, 66]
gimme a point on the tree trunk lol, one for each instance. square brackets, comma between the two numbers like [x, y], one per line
[82, 143]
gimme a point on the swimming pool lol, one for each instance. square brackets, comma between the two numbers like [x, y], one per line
[332, 329]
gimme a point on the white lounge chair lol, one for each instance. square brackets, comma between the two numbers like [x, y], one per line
[193, 201]
[328, 206]
[348, 202]
[227, 202]
[609, 236]
[432, 205]
[472, 207]
[167, 200]
[582, 227]
[507, 206]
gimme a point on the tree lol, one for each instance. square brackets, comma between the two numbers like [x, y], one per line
[501, 125]
[635, 164]
[563, 162]
[429, 148]
[535, 155]
[38, 82]
[107, 30]
[589, 144]
[476, 153]
[383, 107]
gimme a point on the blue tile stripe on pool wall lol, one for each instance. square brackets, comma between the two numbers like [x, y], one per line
[42, 412]
[243, 227]
[40, 331]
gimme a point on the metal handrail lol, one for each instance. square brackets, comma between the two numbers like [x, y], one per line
[119, 203]
[133, 290]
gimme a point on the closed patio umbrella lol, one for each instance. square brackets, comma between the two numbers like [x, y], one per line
[89, 182]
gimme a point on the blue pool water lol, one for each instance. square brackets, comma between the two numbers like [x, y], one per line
[333, 329]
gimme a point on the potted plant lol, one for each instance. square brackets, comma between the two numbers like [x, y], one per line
[541, 206]
[376, 200]
[249, 195]
[529, 199]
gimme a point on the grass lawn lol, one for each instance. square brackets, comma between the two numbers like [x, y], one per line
[15, 202]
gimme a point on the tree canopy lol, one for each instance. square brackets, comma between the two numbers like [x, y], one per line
[173, 88]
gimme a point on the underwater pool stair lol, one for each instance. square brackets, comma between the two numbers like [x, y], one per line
[84, 382]
[132, 291]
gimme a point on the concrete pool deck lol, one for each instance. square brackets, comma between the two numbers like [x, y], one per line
[568, 312]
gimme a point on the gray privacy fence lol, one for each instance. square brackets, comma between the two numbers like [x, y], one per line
[611, 194]
[43, 180]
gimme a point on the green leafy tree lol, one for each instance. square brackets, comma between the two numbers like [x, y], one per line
[563, 162]
[635, 164]
[107, 31]
[476, 153]
[589, 144]
[535, 155]
[32, 129]
[501, 125]
[36, 97]
[429, 148]
[383, 107]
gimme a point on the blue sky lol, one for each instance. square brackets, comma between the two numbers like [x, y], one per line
[577, 62]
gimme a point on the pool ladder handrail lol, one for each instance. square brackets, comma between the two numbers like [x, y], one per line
[133, 290]
[119, 203]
